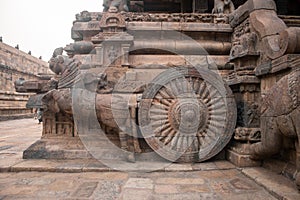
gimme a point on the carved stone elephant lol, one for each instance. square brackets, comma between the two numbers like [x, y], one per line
[280, 116]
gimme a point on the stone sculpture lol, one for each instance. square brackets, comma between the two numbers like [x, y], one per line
[223, 6]
[121, 5]
[84, 16]
[280, 117]
[189, 114]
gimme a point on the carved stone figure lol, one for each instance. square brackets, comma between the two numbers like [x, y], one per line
[121, 5]
[280, 117]
[84, 16]
[112, 54]
[223, 6]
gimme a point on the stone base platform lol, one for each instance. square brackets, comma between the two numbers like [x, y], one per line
[57, 148]
[241, 160]
[239, 154]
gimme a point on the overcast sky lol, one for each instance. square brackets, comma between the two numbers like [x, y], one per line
[41, 25]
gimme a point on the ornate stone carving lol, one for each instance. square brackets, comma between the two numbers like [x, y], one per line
[244, 41]
[247, 134]
[223, 6]
[176, 17]
[113, 42]
[112, 22]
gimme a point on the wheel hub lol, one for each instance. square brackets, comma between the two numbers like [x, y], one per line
[188, 116]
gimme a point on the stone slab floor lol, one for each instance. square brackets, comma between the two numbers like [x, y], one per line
[211, 180]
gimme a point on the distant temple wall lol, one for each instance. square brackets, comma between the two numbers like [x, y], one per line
[15, 64]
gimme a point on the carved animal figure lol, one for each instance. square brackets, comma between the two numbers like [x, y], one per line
[121, 5]
[280, 117]
[223, 6]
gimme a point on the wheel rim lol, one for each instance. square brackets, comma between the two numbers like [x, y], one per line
[185, 117]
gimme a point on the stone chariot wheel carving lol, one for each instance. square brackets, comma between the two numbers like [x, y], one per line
[187, 115]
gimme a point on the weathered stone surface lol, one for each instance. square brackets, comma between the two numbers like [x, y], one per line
[139, 183]
[85, 190]
[148, 74]
[185, 181]
[166, 189]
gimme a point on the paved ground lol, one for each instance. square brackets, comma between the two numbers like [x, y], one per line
[44, 179]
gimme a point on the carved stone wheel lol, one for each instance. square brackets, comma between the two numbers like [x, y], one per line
[187, 115]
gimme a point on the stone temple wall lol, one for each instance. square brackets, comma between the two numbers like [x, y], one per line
[15, 64]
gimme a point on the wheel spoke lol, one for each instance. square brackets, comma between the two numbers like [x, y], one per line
[163, 92]
[166, 131]
[217, 102]
[159, 111]
[174, 142]
[169, 137]
[159, 104]
[158, 123]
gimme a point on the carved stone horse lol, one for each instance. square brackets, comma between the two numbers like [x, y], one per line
[280, 116]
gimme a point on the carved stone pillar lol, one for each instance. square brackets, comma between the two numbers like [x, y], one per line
[246, 88]
[247, 95]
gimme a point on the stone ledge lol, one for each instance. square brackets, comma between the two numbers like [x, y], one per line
[92, 165]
